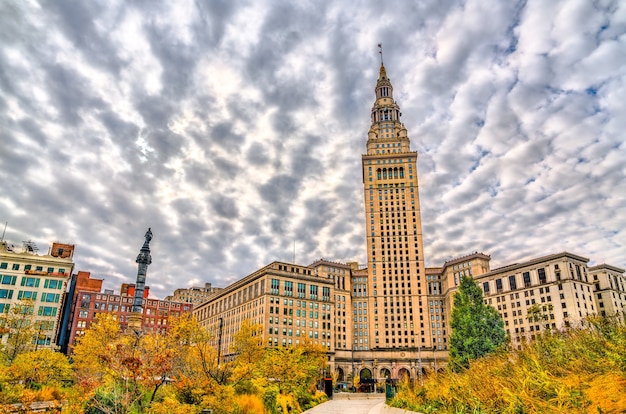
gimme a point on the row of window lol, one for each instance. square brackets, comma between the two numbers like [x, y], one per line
[301, 290]
[26, 294]
[16, 266]
[31, 282]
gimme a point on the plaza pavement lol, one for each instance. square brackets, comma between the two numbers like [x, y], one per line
[349, 403]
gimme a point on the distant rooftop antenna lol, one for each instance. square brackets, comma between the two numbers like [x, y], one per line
[30, 246]
[6, 223]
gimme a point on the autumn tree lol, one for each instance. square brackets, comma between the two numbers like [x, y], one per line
[194, 364]
[18, 325]
[248, 351]
[94, 351]
[477, 329]
[116, 368]
[42, 367]
[294, 369]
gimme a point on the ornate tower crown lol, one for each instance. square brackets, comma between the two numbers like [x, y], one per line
[386, 128]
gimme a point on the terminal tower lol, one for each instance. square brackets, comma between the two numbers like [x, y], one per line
[396, 295]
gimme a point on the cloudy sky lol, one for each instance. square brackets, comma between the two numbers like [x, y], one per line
[235, 128]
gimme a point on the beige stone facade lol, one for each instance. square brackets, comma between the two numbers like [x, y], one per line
[194, 295]
[609, 285]
[24, 274]
[397, 295]
[557, 286]
[291, 302]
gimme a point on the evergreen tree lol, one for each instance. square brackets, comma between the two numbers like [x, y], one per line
[477, 329]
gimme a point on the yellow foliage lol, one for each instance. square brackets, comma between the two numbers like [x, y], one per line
[288, 403]
[250, 404]
[170, 405]
[41, 367]
[221, 401]
[606, 393]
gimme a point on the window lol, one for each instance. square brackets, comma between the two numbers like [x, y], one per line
[84, 300]
[47, 311]
[8, 280]
[274, 286]
[499, 285]
[313, 291]
[50, 297]
[3, 265]
[301, 290]
[288, 288]
[542, 275]
[6, 294]
[53, 284]
[30, 281]
[512, 283]
[526, 279]
[486, 287]
[26, 294]
[16, 266]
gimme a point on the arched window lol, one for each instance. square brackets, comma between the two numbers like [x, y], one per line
[384, 173]
[404, 374]
[401, 172]
[395, 173]
[365, 374]
[378, 173]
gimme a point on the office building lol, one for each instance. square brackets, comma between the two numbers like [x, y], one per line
[42, 279]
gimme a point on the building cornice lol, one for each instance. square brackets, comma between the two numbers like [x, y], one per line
[533, 262]
[607, 267]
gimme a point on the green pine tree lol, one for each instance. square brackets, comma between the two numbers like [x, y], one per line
[477, 329]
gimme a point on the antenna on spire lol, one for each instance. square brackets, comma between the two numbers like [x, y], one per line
[380, 51]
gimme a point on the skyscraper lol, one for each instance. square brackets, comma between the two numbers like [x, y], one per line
[396, 291]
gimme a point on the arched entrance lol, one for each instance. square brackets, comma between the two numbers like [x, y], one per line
[366, 382]
[404, 374]
[385, 373]
[339, 374]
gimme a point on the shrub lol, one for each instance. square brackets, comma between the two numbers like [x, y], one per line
[579, 370]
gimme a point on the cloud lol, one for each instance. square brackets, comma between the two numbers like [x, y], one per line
[235, 129]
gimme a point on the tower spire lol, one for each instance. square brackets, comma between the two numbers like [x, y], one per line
[380, 51]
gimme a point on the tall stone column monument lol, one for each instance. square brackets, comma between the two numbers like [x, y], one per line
[143, 260]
